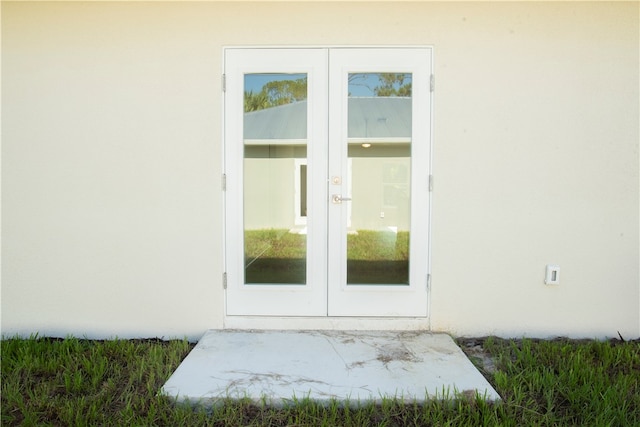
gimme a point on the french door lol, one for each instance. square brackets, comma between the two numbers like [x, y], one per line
[327, 165]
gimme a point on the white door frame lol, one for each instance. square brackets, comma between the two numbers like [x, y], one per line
[289, 300]
[315, 314]
[380, 300]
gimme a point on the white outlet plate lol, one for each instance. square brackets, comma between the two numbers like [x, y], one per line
[552, 276]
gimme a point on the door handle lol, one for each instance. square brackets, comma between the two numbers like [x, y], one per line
[337, 199]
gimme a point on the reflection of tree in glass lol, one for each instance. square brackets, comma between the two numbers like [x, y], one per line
[282, 92]
[286, 91]
[392, 84]
[274, 93]
[255, 101]
[388, 84]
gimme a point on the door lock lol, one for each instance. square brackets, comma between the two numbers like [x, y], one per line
[337, 199]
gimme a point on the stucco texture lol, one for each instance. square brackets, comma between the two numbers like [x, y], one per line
[112, 214]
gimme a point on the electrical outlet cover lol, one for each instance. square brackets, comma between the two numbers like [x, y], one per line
[552, 276]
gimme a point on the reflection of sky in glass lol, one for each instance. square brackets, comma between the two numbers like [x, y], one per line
[362, 84]
[255, 82]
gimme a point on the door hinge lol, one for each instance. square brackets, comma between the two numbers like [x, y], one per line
[428, 282]
[224, 280]
[432, 84]
[224, 182]
[224, 82]
[430, 183]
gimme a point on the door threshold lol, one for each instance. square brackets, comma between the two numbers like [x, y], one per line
[328, 323]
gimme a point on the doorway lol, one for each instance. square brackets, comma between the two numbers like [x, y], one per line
[327, 170]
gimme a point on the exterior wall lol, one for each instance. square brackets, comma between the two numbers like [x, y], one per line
[112, 156]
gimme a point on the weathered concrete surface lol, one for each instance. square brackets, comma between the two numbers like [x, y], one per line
[279, 366]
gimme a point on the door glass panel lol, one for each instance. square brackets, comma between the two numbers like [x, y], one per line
[275, 155]
[379, 151]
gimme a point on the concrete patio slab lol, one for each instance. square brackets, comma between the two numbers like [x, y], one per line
[279, 366]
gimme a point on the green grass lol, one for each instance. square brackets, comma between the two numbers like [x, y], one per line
[277, 256]
[371, 245]
[543, 383]
[274, 244]
[575, 383]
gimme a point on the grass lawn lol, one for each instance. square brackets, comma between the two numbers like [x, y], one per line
[373, 257]
[543, 383]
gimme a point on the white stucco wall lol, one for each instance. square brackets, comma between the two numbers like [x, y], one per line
[112, 156]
